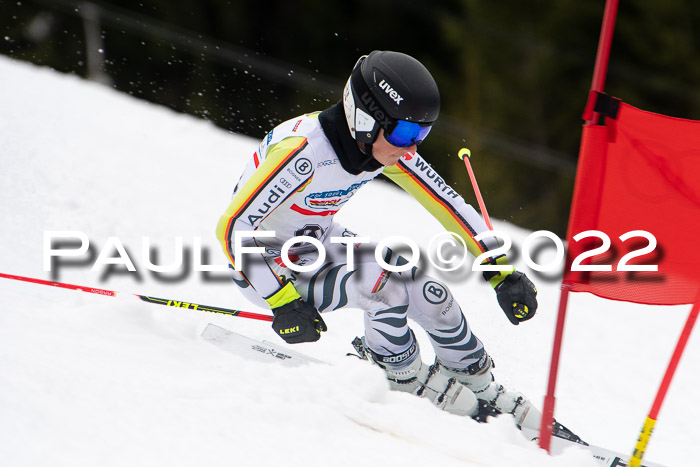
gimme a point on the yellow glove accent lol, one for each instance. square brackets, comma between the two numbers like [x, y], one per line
[496, 277]
[283, 296]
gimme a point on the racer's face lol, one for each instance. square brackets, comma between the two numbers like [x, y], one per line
[386, 153]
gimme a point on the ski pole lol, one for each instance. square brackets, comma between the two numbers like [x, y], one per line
[145, 298]
[466, 152]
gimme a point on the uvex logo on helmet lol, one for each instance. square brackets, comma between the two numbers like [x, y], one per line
[374, 110]
[390, 90]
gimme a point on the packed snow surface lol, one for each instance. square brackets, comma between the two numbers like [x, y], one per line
[90, 380]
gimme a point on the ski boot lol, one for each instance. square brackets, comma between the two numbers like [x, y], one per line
[406, 372]
[494, 398]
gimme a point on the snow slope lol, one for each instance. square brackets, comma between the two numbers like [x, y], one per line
[92, 380]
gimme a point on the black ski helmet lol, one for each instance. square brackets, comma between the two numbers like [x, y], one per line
[385, 87]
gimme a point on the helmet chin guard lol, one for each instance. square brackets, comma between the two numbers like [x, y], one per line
[363, 127]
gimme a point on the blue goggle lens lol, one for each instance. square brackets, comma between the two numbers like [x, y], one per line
[405, 134]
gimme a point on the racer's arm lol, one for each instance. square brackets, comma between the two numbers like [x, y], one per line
[516, 294]
[276, 178]
[287, 168]
[421, 181]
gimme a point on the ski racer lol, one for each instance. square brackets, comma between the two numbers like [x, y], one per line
[304, 171]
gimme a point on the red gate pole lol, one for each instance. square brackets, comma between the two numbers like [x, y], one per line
[645, 434]
[548, 407]
[604, 43]
[598, 83]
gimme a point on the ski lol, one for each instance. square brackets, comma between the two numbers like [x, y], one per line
[261, 351]
[606, 457]
[265, 351]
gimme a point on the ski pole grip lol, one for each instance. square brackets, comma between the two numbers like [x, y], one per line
[466, 152]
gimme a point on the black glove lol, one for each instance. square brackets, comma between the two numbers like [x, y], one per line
[294, 320]
[297, 321]
[515, 293]
[517, 296]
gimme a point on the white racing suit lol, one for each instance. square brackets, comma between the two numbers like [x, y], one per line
[293, 185]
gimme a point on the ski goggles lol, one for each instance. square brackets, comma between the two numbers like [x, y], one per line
[404, 134]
